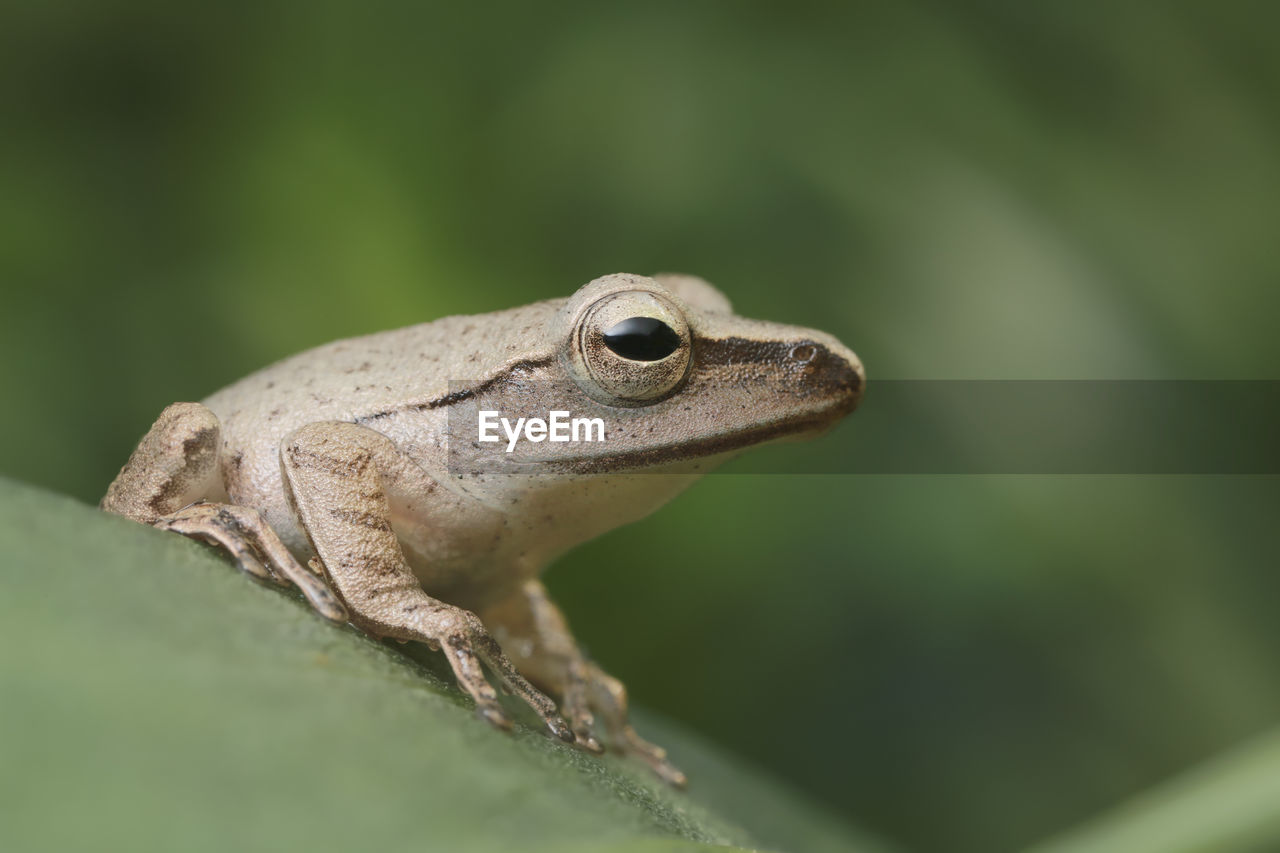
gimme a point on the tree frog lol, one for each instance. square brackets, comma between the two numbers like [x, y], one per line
[357, 471]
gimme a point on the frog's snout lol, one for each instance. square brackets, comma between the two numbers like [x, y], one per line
[832, 371]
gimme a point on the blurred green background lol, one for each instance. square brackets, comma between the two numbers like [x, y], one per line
[986, 190]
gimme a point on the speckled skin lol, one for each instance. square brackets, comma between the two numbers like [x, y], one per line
[359, 458]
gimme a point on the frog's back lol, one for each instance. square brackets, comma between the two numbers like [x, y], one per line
[355, 378]
[346, 379]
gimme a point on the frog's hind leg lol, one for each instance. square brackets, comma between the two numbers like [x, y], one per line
[608, 697]
[165, 484]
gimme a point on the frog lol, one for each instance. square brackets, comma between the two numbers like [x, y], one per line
[355, 472]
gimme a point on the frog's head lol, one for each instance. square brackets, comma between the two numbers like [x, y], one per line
[677, 375]
[676, 382]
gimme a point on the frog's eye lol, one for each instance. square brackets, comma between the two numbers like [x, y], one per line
[631, 348]
[642, 339]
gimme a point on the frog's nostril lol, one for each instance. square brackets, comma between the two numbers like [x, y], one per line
[804, 353]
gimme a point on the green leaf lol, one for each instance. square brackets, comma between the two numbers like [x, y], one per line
[1228, 804]
[152, 698]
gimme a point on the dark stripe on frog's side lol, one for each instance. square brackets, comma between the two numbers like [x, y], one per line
[737, 350]
[707, 352]
[824, 372]
[459, 396]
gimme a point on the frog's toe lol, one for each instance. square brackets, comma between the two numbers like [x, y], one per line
[531, 696]
[608, 699]
[584, 739]
[212, 523]
[561, 729]
[653, 755]
[671, 774]
[468, 643]
[321, 598]
[582, 722]
[590, 744]
[251, 565]
[492, 714]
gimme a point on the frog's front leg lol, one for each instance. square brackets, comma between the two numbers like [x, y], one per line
[338, 476]
[536, 635]
[166, 482]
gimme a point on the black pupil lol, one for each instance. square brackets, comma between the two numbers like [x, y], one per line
[642, 339]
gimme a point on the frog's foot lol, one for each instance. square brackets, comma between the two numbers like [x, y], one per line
[608, 697]
[466, 643]
[575, 705]
[256, 549]
[535, 632]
